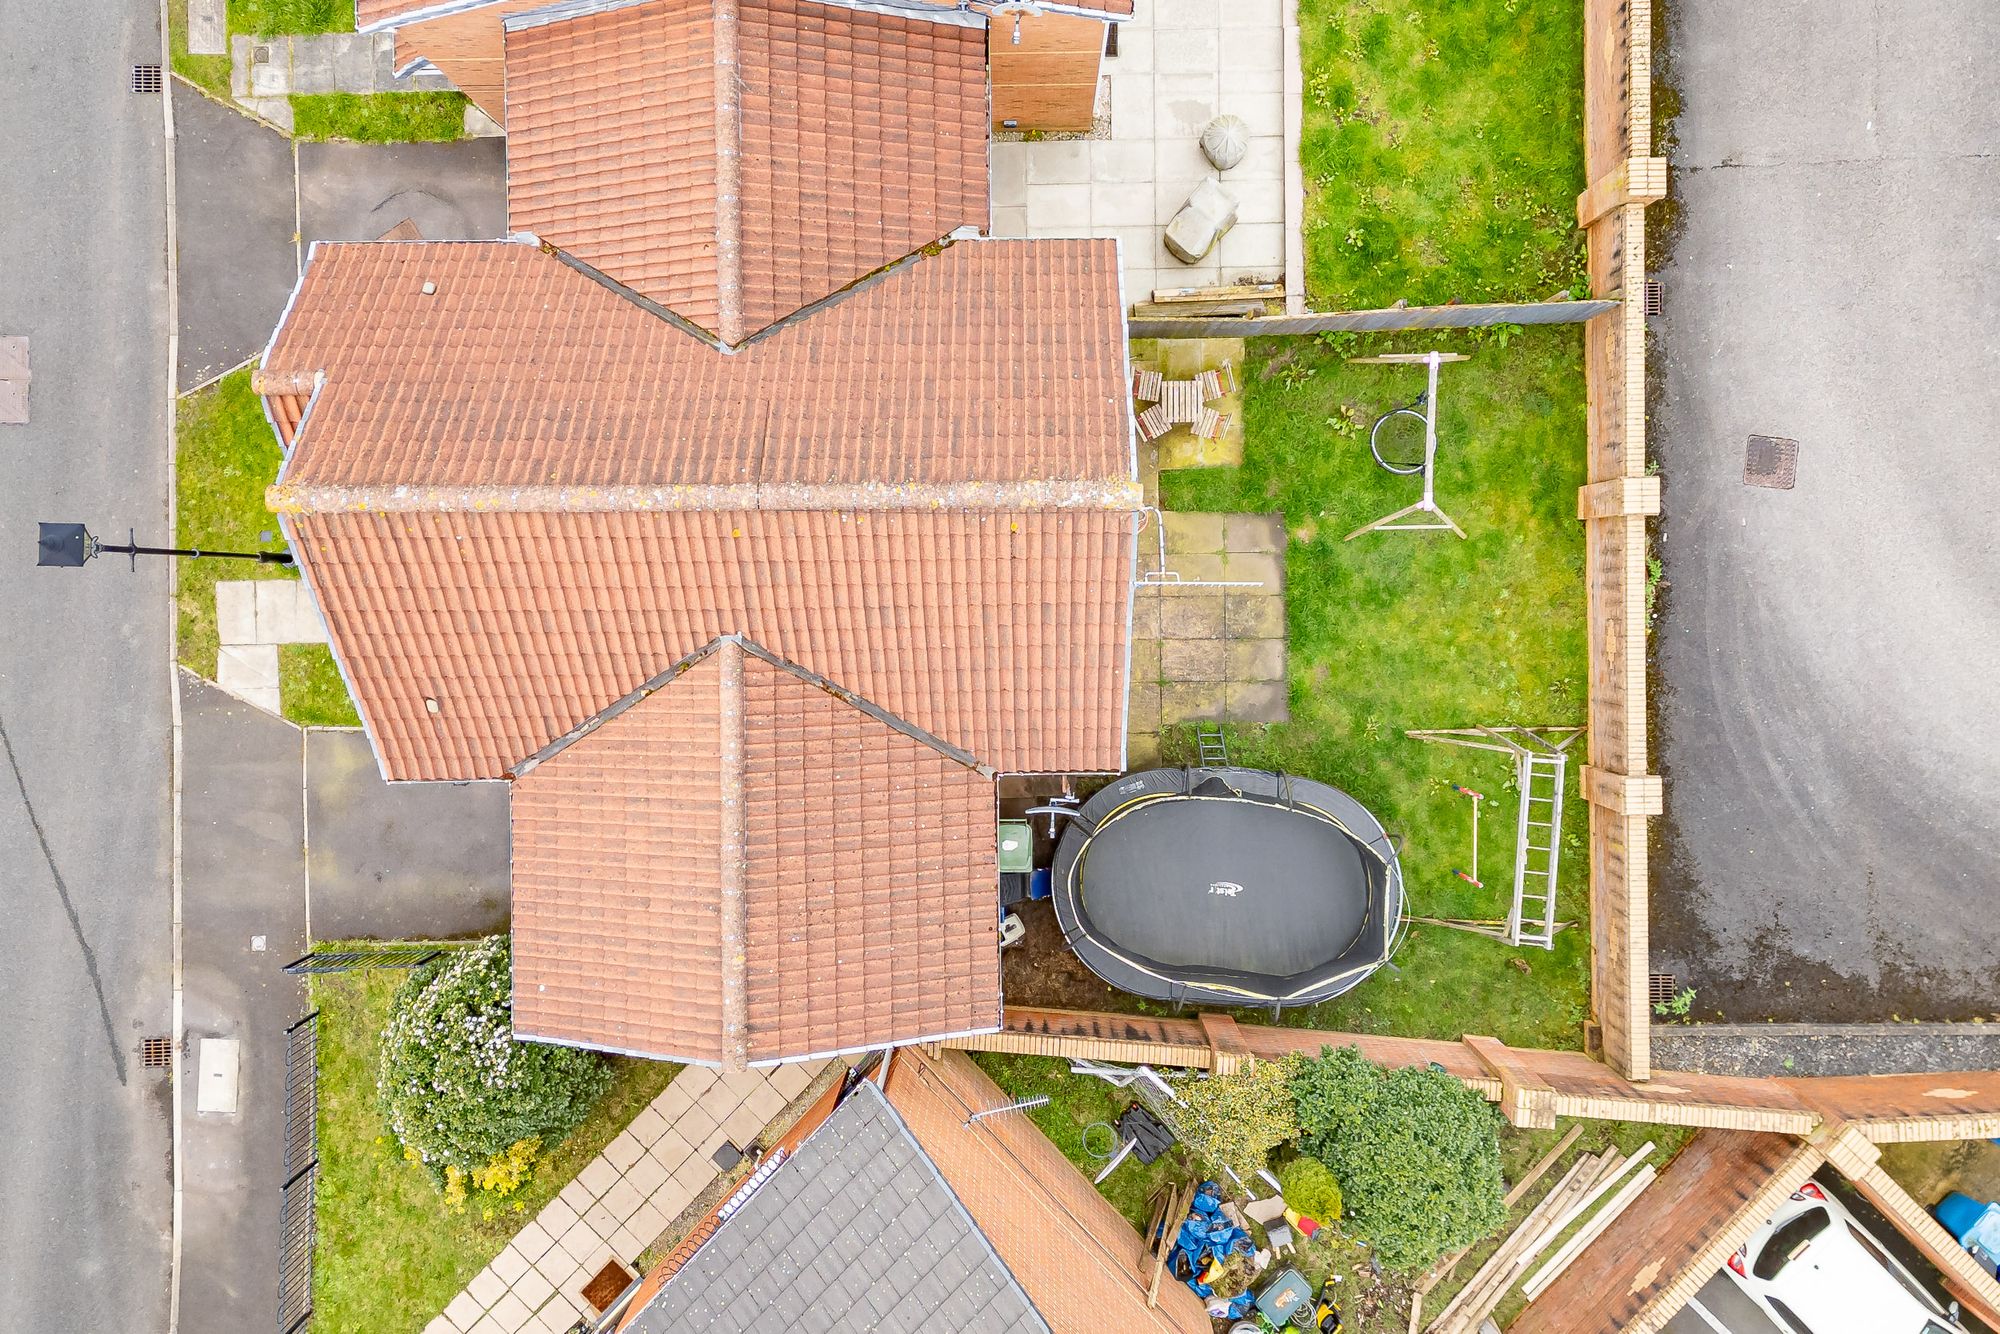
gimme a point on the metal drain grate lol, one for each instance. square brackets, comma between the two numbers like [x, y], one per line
[156, 1053]
[146, 79]
[1772, 461]
[1656, 297]
[1660, 988]
[1111, 39]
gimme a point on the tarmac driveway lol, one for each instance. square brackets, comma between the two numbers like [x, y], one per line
[1826, 656]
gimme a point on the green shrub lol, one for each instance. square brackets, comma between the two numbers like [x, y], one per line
[1232, 1122]
[1416, 1153]
[1310, 1188]
[458, 1090]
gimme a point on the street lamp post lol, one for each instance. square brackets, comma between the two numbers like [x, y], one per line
[71, 544]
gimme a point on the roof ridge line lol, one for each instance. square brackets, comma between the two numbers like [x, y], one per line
[649, 686]
[728, 174]
[1032, 495]
[866, 706]
[733, 909]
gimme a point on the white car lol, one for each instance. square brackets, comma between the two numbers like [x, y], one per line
[1816, 1271]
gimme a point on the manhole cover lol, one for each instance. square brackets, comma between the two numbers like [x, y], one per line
[1660, 989]
[1656, 297]
[1771, 461]
[156, 1053]
[145, 78]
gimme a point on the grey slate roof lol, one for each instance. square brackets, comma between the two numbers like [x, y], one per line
[856, 1232]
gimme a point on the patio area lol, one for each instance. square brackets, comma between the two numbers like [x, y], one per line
[1179, 64]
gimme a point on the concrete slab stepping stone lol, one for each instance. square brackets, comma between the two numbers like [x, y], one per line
[208, 27]
[250, 672]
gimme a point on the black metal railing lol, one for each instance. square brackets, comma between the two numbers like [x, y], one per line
[296, 1221]
[346, 961]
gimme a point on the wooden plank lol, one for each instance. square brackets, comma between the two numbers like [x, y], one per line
[1472, 1301]
[1538, 1282]
[1617, 497]
[1621, 794]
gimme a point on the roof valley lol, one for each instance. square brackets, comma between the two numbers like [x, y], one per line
[728, 175]
[734, 857]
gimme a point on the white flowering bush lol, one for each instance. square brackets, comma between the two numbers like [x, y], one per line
[458, 1090]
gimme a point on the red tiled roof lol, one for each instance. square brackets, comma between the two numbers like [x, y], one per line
[1000, 633]
[990, 361]
[736, 160]
[744, 867]
[1080, 1262]
[372, 13]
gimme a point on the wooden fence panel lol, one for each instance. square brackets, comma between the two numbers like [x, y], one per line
[1617, 134]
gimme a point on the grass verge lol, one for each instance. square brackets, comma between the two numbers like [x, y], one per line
[225, 457]
[379, 118]
[1075, 1103]
[1421, 630]
[1443, 150]
[251, 18]
[388, 1257]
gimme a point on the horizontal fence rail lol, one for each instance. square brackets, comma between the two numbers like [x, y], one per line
[1388, 320]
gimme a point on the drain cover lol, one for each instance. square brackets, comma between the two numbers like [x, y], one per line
[146, 78]
[1771, 461]
[1656, 297]
[156, 1053]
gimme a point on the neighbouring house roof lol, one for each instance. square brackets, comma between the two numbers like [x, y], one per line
[1081, 1263]
[855, 1232]
[371, 15]
[737, 160]
[899, 1213]
[745, 865]
[521, 495]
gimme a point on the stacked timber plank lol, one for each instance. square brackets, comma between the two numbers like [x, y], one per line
[1575, 1194]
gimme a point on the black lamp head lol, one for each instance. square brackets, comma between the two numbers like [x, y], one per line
[65, 544]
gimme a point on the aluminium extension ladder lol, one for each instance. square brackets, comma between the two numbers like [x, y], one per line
[1537, 845]
[1212, 747]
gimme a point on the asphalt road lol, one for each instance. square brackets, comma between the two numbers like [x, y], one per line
[84, 804]
[1825, 679]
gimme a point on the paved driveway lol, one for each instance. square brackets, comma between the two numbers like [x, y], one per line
[84, 881]
[1826, 681]
[238, 260]
[361, 192]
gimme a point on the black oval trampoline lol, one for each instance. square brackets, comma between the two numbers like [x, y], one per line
[1227, 887]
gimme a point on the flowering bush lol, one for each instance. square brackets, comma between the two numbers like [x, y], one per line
[461, 1095]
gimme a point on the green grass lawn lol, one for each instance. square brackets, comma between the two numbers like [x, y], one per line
[1076, 1102]
[225, 457]
[388, 1256]
[1421, 630]
[382, 118]
[1443, 150]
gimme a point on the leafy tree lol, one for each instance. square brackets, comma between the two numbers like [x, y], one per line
[1232, 1122]
[1416, 1153]
[459, 1092]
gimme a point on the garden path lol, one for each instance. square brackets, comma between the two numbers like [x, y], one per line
[623, 1200]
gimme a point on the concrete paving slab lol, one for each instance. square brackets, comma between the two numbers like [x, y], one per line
[208, 27]
[236, 610]
[244, 877]
[250, 673]
[409, 860]
[233, 204]
[1257, 702]
[357, 192]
